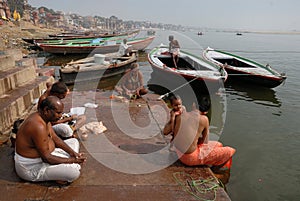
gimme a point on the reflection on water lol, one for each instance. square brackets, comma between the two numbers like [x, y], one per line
[59, 60]
[259, 95]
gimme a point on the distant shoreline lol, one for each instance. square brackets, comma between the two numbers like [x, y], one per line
[268, 32]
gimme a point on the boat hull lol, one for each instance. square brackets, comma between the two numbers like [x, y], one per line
[173, 81]
[244, 70]
[71, 78]
[87, 70]
[263, 81]
[64, 49]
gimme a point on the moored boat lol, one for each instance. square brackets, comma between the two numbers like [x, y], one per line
[96, 67]
[101, 46]
[67, 38]
[245, 69]
[189, 67]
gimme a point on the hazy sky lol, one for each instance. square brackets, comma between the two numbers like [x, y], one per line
[281, 15]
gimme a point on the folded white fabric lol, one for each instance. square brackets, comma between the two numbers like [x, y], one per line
[93, 127]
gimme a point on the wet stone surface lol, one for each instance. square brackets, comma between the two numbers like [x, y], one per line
[99, 181]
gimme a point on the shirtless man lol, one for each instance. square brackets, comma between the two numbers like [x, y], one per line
[174, 49]
[191, 138]
[177, 109]
[58, 89]
[40, 154]
[62, 126]
[132, 83]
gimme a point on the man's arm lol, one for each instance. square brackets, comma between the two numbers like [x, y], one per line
[65, 120]
[40, 138]
[59, 143]
[169, 127]
[204, 126]
[177, 123]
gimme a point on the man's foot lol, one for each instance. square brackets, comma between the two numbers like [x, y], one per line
[62, 183]
[172, 148]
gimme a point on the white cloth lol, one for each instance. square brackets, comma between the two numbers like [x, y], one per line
[175, 51]
[34, 169]
[123, 49]
[63, 130]
[77, 110]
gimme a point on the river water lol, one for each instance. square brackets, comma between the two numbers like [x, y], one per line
[260, 123]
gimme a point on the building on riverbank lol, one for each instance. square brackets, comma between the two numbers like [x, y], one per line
[4, 10]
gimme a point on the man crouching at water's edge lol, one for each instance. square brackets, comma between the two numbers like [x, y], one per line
[191, 137]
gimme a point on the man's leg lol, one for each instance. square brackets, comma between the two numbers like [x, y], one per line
[61, 172]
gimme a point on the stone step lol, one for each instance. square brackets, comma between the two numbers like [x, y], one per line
[16, 102]
[15, 53]
[6, 62]
[26, 62]
[15, 77]
[8, 58]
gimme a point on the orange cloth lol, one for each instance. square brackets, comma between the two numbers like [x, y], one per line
[212, 154]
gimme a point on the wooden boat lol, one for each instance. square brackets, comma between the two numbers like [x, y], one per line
[245, 69]
[103, 46]
[67, 38]
[96, 67]
[190, 67]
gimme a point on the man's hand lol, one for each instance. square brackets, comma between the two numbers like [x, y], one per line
[74, 117]
[80, 158]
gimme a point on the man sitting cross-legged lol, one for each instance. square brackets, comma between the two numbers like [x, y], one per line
[40, 155]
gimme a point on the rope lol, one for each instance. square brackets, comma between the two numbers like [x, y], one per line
[196, 187]
[161, 131]
[166, 94]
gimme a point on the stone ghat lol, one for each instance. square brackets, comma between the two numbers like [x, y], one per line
[20, 85]
[128, 162]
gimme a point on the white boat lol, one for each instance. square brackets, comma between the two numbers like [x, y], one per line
[245, 69]
[189, 66]
[96, 67]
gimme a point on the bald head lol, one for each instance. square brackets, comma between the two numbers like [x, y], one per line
[51, 102]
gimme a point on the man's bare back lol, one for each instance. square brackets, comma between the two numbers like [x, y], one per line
[190, 128]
